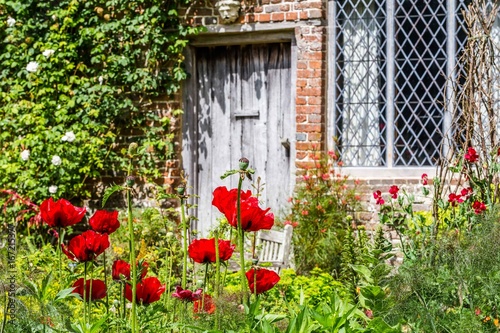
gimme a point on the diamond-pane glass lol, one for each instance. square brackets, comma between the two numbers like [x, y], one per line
[420, 57]
[360, 84]
[420, 60]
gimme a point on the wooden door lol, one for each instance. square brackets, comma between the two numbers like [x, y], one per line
[241, 106]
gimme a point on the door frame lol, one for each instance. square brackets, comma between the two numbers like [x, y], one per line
[189, 132]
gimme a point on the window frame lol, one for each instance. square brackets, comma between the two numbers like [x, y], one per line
[390, 91]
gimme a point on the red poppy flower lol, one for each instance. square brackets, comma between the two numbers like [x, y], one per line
[186, 294]
[253, 218]
[478, 207]
[148, 291]
[98, 289]
[104, 222]
[393, 191]
[377, 195]
[425, 179]
[471, 155]
[203, 250]
[121, 269]
[86, 247]
[208, 304]
[61, 213]
[454, 199]
[261, 280]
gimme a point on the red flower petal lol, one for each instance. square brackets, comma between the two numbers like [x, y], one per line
[148, 291]
[98, 289]
[261, 280]
[61, 213]
[104, 222]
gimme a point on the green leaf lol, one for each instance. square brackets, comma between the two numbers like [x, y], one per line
[109, 191]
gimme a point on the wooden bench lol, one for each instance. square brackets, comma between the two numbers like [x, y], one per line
[274, 248]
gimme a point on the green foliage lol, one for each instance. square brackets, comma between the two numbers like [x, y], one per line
[321, 211]
[76, 78]
[459, 292]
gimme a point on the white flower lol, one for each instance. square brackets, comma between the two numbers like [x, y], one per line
[11, 22]
[69, 136]
[48, 53]
[25, 155]
[32, 66]
[101, 79]
[56, 160]
[52, 189]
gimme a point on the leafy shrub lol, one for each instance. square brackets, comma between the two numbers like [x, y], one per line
[458, 292]
[320, 210]
[78, 76]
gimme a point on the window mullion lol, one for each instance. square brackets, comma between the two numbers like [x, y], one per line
[390, 88]
[451, 27]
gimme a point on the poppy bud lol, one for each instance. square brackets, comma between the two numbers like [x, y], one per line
[181, 190]
[130, 180]
[244, 163]
[132, 148]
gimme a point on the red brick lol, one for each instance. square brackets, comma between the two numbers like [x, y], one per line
[314, 136]
[276, 17]
[285, 8]
[303, 16]
[315, 100]
[312, 56]
[300, 119]
[309, 128]
[276, 1]
[301, 64]
[315, 64]
[301, 155]
[302, 82]
[264, 18]
[307, 109]
[309, 91]
[300, 101]
[304, 146]
[291, 16]
[308, 73]
[258, 9]
[304, 165]
[315, 82]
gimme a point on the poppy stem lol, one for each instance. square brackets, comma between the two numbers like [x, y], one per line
[106, 282]
[90, 290]
[132, 262]
[241, 243]
[204, 288]
[217, 264]
[185, 243]
[59, 252]
[85, 292]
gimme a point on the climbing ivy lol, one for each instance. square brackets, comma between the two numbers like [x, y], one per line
[77, 79]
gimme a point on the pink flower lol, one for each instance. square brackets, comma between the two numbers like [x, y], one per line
[377, 195]
[425, 179]
[305, 212]
[478, 207]
[325, 176]
[393, 191]
[187, 295]
[471, 155]
[306, 177]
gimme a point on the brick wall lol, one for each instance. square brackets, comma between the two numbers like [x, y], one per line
[306, 20]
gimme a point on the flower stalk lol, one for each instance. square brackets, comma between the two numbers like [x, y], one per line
[241, 242]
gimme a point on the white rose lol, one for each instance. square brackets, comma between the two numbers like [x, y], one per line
[25, 155]
[32, 66]
[48, 53]
[101, 79]
[69, 136]
[11, 22]
[56, 160]
[52, 189]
